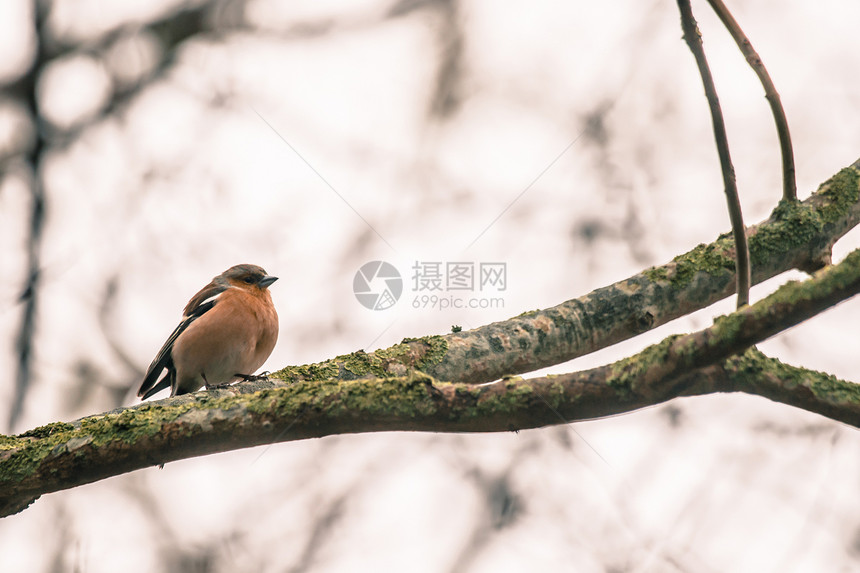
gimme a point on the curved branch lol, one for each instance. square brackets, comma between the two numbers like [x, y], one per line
[789, 182]
[61, 456]
[694, 40]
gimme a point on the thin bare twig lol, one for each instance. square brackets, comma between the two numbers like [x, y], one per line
[694, 40]
[789, 182]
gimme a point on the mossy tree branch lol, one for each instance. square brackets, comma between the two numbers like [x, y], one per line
[64, 455]
[795, 236]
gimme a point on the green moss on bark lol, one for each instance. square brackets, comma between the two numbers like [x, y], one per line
[624, 375]
[381, 363]
[712, 259]
[843, 192]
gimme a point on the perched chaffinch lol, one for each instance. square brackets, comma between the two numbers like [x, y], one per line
[228, 330]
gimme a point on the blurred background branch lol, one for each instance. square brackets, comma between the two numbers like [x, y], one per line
[169, 31]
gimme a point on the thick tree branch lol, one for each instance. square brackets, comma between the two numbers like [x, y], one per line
[60, 456]
[755, 373]
[796, 236]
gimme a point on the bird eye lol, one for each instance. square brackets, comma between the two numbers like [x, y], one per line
[249, 280]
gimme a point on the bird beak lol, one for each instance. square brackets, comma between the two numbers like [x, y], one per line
[266, 281]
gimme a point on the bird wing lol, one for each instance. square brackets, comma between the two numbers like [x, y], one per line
[207, 294]
[164, 359]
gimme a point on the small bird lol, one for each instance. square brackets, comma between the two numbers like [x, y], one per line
[228, 330]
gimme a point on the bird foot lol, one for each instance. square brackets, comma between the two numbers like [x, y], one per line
[218, 386]
[254, 377]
